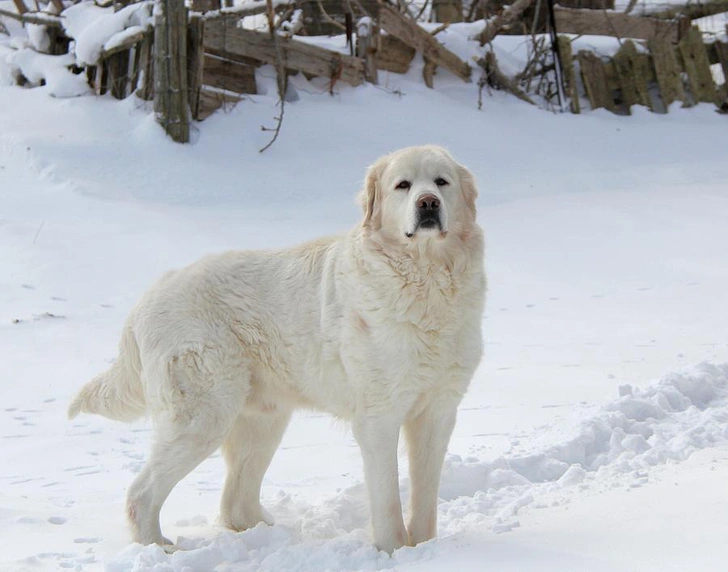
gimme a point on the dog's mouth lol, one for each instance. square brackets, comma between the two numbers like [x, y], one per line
[428, 221]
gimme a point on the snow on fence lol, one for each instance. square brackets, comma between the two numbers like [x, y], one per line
[192, 62]
[660, 61]
[127, 50]
[112, 48]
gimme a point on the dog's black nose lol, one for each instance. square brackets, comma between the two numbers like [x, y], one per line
[428, 203]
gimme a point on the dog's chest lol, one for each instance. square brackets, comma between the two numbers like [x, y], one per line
[416, 328]
[427, 298]
[415, 319]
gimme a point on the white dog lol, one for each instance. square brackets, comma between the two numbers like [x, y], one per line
[381, 326]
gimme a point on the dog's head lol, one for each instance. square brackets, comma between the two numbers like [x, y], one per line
[418, 193]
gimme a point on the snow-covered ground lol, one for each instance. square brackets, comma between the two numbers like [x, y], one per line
[595, 434]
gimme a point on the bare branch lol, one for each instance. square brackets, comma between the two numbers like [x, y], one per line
[495, 78]
[422, 11]
[630, 6]
[509, 15]
[281, 75]
[328, 18]
[440, 28]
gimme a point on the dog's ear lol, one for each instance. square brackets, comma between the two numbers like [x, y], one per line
[370, 197]
[469, 188]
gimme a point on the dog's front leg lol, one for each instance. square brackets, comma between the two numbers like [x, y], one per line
[427, 435]
[377, 438]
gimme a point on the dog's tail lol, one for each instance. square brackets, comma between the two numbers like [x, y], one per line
[117, 393]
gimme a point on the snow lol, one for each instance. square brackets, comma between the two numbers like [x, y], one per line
[94, 28]
[38, 37]
[53, 71]
[595, 433]
[120, 37]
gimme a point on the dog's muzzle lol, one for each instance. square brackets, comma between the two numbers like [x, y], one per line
[427, 215]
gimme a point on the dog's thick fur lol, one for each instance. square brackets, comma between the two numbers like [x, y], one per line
[381, 327]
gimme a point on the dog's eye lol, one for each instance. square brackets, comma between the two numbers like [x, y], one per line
[404, 185]
[440, 182]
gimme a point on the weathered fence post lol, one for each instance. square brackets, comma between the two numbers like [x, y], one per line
[594, 76]
[721, 52]
[667, 71]
[366, 47]
[196, 63]
[146, 67]
[567, 62]
[170, 69]
[632, 69]
[696, 64]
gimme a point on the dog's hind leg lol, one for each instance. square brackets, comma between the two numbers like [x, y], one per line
[248, 450]
[176, 453]
[199, 410]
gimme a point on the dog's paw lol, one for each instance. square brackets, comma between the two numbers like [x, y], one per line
[391, 542]
[244, 518]
[169, 547]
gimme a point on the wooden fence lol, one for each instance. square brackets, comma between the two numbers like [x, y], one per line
[224, 56]
[120, 70]
[663, 61]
